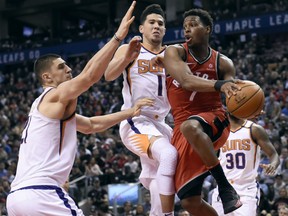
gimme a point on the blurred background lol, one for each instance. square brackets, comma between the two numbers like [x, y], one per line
[104, 178]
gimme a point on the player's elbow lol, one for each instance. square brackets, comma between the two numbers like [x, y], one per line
[86, 130]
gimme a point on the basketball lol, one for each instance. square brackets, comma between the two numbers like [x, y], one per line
[248, 102]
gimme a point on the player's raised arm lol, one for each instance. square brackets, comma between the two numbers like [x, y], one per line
[97, 65]
[125, 54]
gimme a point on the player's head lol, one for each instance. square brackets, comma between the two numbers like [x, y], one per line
[198, 25]
[152, 23]
[51, 70]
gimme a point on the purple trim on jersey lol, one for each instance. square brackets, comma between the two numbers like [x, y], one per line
[127, 80]
[26, 127]
[160, 87]
[155, 53]
[133, 126]
[70, 117]
[58, 190]
[62, 123]
[61, 135]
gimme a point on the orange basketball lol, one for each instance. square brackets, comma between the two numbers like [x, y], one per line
[248, 102]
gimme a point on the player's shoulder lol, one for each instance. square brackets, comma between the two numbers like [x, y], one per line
[257, 130]
[224, 58]
[176, 48]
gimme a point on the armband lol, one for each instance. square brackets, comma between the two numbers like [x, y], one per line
[116, 38]
[219, 83]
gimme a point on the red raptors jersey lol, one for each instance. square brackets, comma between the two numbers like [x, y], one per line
[186, 103]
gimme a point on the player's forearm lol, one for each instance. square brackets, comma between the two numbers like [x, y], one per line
[187, 80]
[115, 68]
[194, 83]
[274, 160]
[102, 123]
[99, 62]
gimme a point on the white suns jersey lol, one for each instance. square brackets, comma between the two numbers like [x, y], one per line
[240, 157]
[142, 80]
[47, 151]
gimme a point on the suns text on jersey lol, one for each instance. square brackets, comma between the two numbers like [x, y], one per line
[145, 66]
[237, 144]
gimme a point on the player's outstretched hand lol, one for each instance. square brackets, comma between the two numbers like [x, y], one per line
[133, 49]
[139, 104]
[126, 22]
[230, 87]
[269, 169]
[157, 61]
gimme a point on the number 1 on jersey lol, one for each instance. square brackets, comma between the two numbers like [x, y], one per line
[160, 85]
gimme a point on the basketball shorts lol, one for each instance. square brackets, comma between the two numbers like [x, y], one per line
[41, 200]
[135, 134]
[191, 171]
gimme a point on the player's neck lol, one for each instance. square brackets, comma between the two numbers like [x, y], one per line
[200, 52]
[153, 47]
[237, 123]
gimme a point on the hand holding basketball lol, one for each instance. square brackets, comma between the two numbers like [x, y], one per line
[248, 102]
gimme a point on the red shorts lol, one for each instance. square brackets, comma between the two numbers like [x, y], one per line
[190, 165]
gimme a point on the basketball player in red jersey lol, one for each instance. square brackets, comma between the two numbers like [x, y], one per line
[200, 120]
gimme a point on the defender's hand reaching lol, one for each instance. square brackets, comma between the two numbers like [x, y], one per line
[136, 109]
[157, 61]
[133, 49]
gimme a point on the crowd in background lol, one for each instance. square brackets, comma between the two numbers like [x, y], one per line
[85, 30]
[103, 158]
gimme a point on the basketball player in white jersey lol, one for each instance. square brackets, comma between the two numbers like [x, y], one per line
[48, 147]
[148, 135]
[240, 158]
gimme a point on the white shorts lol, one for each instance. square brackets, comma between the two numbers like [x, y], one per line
[135, 134]
[41, 201]
[249, 207]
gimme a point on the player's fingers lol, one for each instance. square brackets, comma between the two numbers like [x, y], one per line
[145, 102]
[136, 39]
[130, 10]
[235, 86]
[155, 61]
[130, 20]
[238, 81]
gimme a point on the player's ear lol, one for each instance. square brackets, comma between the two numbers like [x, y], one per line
[141, 29]
[208, 29]
[46, 77]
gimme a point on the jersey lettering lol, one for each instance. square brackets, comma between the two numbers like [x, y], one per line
[237, 144]
[200, 74]
[145, 66]
[175, 83]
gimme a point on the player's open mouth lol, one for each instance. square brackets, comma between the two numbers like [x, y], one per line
[188, 39]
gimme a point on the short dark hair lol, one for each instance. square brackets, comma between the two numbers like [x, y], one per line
[153, 8]
[204, 16]
[43, 63]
